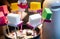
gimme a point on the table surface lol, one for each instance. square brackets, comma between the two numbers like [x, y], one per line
[21, 34]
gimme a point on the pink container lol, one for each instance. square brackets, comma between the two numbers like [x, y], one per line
[3, 19]
[4, 9]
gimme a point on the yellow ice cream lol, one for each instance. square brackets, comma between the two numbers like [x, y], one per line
[14, 6]
[35, 5]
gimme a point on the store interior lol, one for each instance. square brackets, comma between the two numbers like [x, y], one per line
[29, 19]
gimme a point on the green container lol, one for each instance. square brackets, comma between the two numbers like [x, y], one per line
[46, 14]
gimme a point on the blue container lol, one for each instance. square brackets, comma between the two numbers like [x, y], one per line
[55, 7]
[53, 28]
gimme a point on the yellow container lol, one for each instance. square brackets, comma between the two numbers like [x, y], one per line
[35, 5]
[14, 6]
